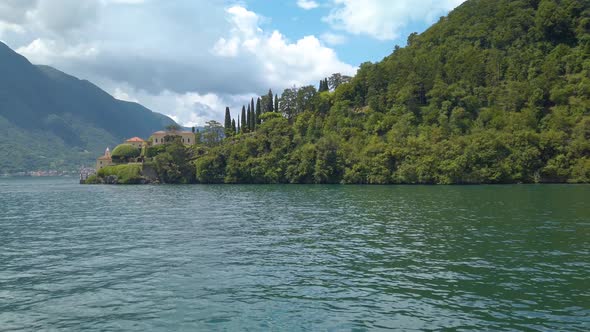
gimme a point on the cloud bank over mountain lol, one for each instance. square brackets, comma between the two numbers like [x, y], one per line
[190, 58]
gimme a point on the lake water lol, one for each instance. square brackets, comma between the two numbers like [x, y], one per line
[293, 258]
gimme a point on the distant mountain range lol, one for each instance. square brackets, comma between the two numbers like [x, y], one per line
[51, 120]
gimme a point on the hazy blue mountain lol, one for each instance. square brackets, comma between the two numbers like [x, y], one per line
[50, 119]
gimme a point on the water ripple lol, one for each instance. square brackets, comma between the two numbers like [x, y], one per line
[293, 258]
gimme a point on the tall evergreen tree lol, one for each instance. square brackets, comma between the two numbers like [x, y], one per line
[244, 124]
[249, 118]
[239, 130]
[258, 111]
[252, 119]
[227, 125]
[252, 105]
[324, 85]
[233, 126]
[270, 101]
[276, 102]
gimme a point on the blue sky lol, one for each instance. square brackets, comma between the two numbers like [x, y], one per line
[296, 23]
[190, 58]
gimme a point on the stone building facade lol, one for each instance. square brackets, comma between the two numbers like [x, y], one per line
[186, 137]
[105, 160]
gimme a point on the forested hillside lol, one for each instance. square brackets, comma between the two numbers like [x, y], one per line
[497, 92]
[51, 120]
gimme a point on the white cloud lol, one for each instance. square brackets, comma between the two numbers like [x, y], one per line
[307, 4]
[282, 62]
[384, 19]
[188, 59]
[46, 50]
[226, 47]
[10, 27]
[61, 16]
[15, 11]
[120, 94]
[188, 109]
[333, 39]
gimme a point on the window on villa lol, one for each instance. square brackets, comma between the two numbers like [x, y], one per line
[189, 140]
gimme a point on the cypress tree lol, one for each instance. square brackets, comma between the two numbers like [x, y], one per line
[244, 125]
[270, 103]
[227, 124]
[258, 111]
[252, 104]
[276, 102]
[324, 85]
[239, 130]
[249, 118]
[253, 121]
[233, 126]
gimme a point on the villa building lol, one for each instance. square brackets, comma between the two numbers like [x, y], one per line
[136, 142]
[186, 137]
[158, 138]
[105, 160]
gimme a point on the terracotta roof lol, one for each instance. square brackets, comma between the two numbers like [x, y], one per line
[135, 139]
[105, 158]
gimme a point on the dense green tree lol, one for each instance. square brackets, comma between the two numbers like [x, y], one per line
[244, 126]
[497, 92]
[321, 86]
[249, 119]
[337, 79]
[270, 101]
[124, 153]
[252, 119]
[213, 133]
[228, 126]
[324, 86]
[173, 165]
[304, 99]
[288, 104]
[210, 169]
[258, 111]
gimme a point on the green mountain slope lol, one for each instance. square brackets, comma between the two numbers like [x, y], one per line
[51, 120]
[497, 92]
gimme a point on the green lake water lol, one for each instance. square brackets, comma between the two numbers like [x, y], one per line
[293, 258]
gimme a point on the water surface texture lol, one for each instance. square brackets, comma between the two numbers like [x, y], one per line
[293, 258]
